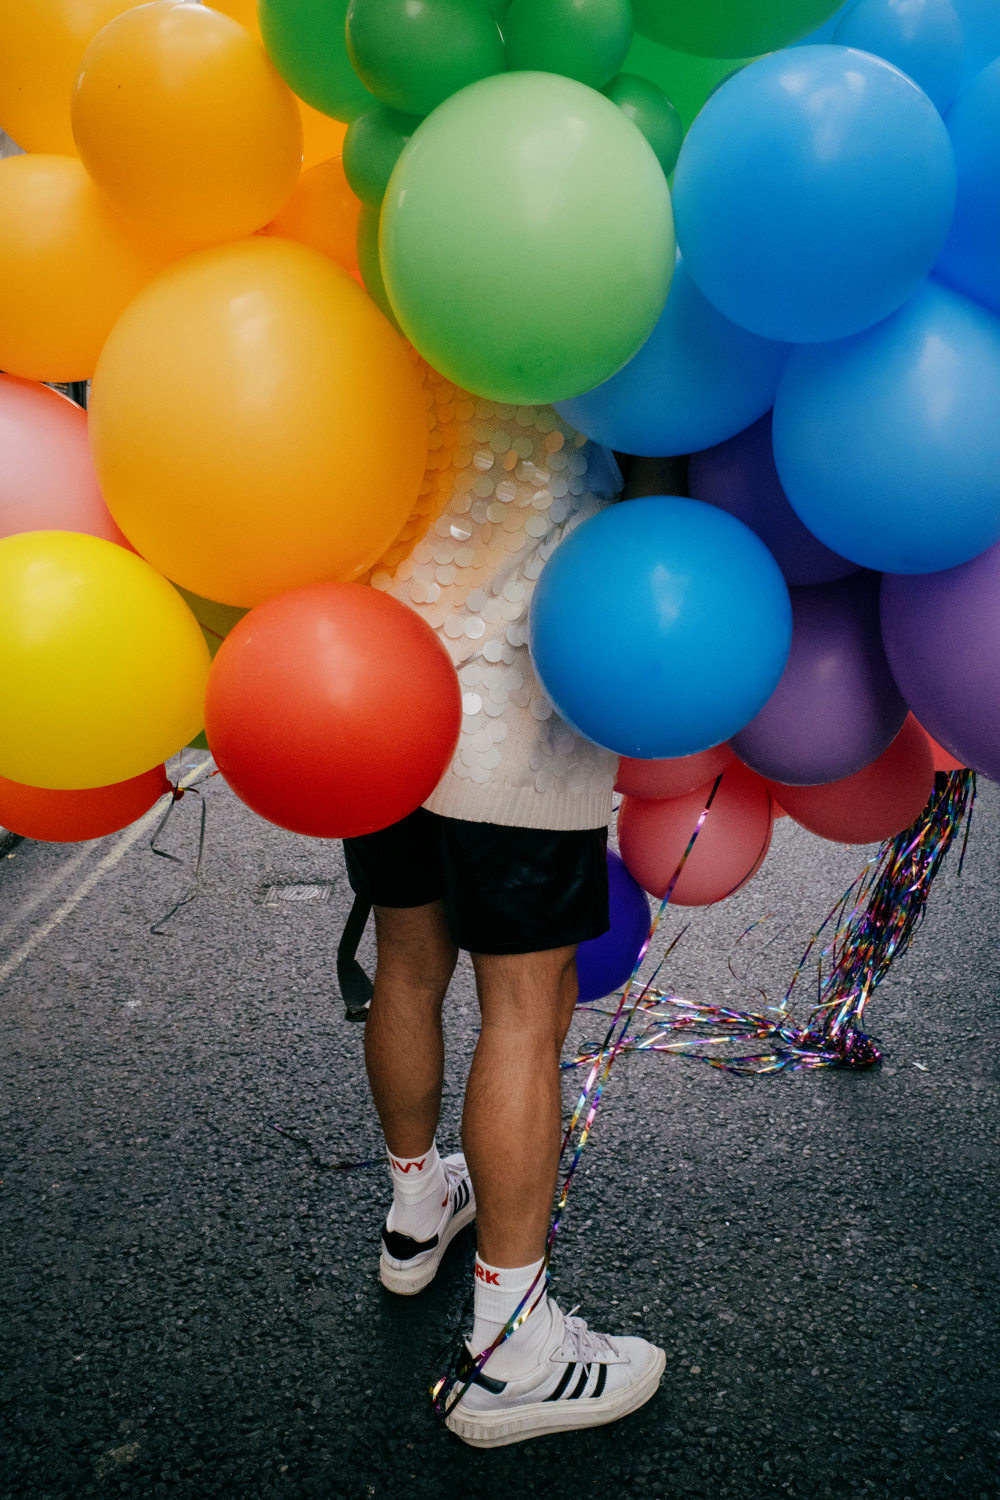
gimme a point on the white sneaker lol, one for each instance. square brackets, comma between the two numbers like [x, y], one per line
[584, 1380]
[407, 1265]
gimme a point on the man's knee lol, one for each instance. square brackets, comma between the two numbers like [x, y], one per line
[533, 992]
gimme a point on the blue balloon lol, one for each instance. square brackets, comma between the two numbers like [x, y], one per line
[888, 444]
[981, 25]
[813, 193]
[660, 627]
[970, 259]
[605, 962]
[923, 38]
[825, 32]
[696, 380]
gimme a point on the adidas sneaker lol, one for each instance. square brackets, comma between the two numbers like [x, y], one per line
[584, 1379]
[407, 1265]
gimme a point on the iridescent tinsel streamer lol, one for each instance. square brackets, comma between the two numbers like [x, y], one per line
[874, 923]
[442, 1391]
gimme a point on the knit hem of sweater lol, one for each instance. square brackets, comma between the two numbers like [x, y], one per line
[520, 807]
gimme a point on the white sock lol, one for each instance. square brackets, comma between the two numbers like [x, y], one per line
[419, 1194]
[499, 1289]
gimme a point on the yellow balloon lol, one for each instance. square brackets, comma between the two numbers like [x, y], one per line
[256, 423]
[69, 264]
[182, 120]
[42, 44]
[104, 665]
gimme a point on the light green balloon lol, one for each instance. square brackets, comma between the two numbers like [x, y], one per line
[687, 81]
[527, 239]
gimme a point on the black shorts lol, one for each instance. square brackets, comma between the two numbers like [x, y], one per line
[505, 890]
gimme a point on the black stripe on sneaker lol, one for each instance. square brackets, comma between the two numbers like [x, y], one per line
[602, 1375]
[461, 1197]
[564, 1382]
[404, 1246]
[581, 1383]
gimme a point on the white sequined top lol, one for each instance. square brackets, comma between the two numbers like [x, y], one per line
[506, 484]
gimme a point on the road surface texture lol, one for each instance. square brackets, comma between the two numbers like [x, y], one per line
[190, 1300]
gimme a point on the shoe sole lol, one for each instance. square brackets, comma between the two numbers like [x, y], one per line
[519, 1423]
[407, 1283]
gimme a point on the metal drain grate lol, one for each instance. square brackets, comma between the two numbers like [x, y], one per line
[279, 893]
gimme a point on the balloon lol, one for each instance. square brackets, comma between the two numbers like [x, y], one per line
[63, 817]
[43, 42]
[583, 39]
[182, 121]
[687, 81]
[322, 212]
[413, 57]
[942, 638]
[970, 260]
[216, 620]
[605, 962]
[369, 264]
[824, 34]
[729, 850]
[573, 285]
[923, 38]
[659, 627]
[47, 480]
[942, 760]
[875, 803]
[836, 708]
[981, 29]
[888, 444]
[839, 174]
[719, 28]
[371, 149]
[697, 379]
[69, 264]
[306, 41]
[104, 664]
[649, 109]
[257, 382]
[739, 476]
[297, 710]
[659, 779]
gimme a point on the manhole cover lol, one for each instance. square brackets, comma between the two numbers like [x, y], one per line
[276, 893]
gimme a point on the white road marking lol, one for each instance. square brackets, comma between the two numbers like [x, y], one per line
[46, 889]
[112, 858]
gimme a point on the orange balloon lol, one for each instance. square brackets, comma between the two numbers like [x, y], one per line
[62, 817]
[43, 42]
[322, 137]
[69, 264]
[259, 389]
[182, 120]
[47, 479]
[323, 212]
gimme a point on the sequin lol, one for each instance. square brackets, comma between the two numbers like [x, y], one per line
[476, 600]
[576, 464]
[478, 512]
[496, 512]
[405, 570]
[433, 594]
[464, 557]
[437, 616]
[536, 526]
[483, 486]
[483, 431]
[542, 477]
[381, 581]
[545, 421]
[558, 462]
[505, 491]
[474, 629]
[541, 708]
[418, 591]
[499, 442]
[492, 651]
[472, 704]
[526, 416]
[479, 774]
[497, 731]
[446, 575]
[444, 553]
[472, 723]
[460, 769]
[470, 757]
[543, 781]
[524, 447]
[576, 486]
[521, 697]
[542, 499]
[453, 627]
[558, 487]
[511, 611]
[465, 411]
[554, 441]
[471, 674]
[558, 511]
[483, 460]
[490, 760]
[461, 458]
[506, 654]
[481, 742]
[513, 590]
[513, 679]
[422, 553]
[498, 694]
[491, 612]
[533, 567]
[512, 523]
[516, 635]
[494, 708]
[524, 473]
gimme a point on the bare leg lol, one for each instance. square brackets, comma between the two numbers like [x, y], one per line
[511, 1126]
[404, 1048]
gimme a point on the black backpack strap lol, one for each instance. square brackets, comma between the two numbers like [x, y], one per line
[355, 986]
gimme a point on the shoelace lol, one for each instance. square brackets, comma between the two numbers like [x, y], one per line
[586, 1344]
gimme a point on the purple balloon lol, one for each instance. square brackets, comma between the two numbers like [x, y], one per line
[836, 707]
[607, 961]
[739, 476]
[942, 638]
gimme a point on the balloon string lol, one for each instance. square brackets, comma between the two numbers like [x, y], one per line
[462, 1371]
[178, 791]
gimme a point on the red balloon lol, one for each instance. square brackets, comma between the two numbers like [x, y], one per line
[47, 479]
[942, 760]
[59, 817]
[332, 710]
[875, 803]
[658, 779]
[728, 852]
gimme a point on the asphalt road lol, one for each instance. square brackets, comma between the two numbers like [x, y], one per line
[191, 1303]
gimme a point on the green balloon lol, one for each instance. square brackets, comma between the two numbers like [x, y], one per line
[648, 107]
[527, 239]
[372, 145]
[305, 41]
[583, 39]
[366, 244]
[498, 8]
[413, 54]
[729, 28]
[687, 81]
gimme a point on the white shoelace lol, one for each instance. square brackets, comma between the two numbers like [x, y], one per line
[585, 1345]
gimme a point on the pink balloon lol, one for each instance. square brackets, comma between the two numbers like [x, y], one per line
[47, 479]
[728, 852]
[672, 778]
